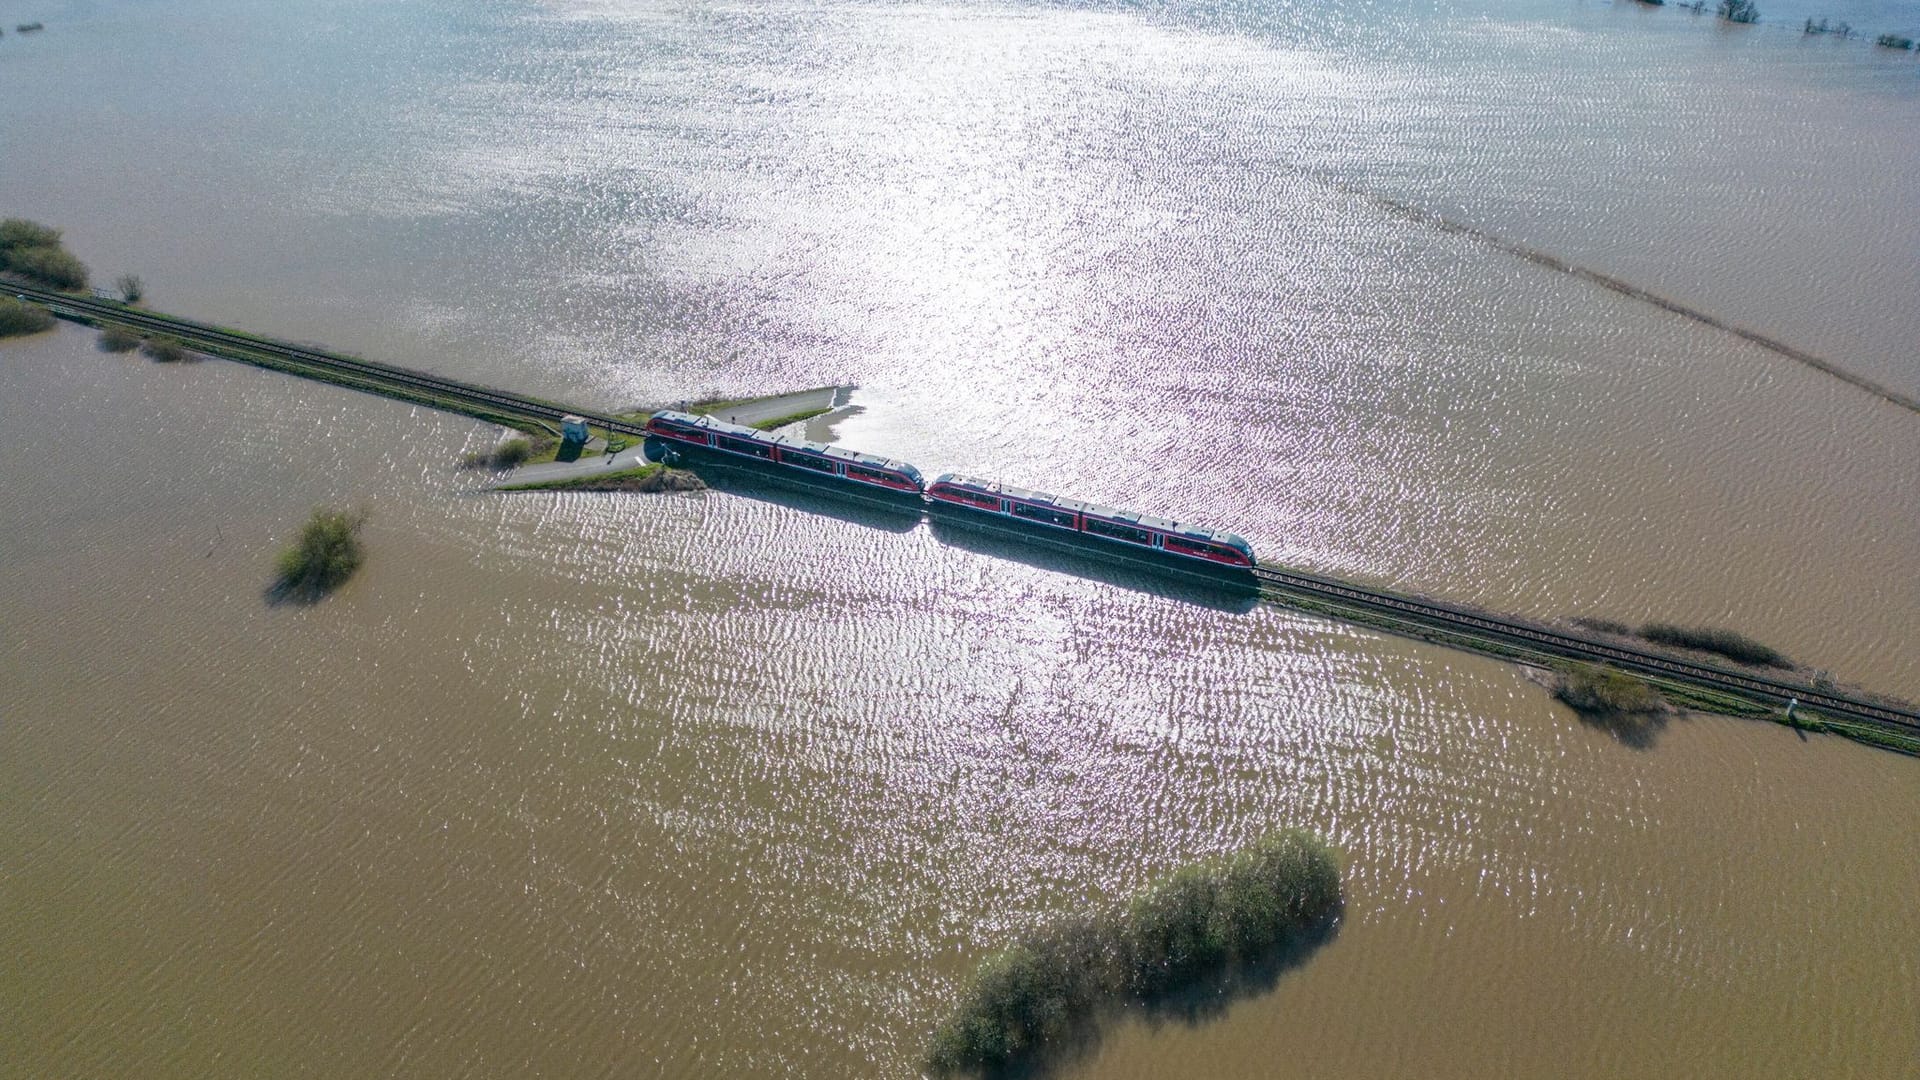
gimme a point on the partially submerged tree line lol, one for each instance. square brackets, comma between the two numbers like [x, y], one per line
[1207, 921]
[33, 251]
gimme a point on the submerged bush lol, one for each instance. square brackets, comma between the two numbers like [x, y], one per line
[117, 338]
[1604, 626]
[18, 317]
[1735, 647]
[326, 555]
[51, 266]
[1203, 922]
[21, 233]
[33, 250]
[167, 350]
[1598, 690]
[505, 455]
[511, 453]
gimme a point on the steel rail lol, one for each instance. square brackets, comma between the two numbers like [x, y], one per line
[192, 331]
[1445, 615]
[1574, 645]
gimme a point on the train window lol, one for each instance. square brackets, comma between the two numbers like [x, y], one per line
[871, 476]
[743, 446]
[1044, 514]
[1118, 531]
[1204, 550]
[807, 461]
[971, 498]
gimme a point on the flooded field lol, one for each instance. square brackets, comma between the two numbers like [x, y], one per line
[742, 784]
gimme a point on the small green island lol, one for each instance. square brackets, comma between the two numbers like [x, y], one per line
[327, 553]
[1257, 908]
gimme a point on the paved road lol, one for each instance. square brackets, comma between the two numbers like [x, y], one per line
[761, 410]
[589, 464]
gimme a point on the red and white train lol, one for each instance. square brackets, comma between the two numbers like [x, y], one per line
[816, 460]
[819, 461]
[1122, 527]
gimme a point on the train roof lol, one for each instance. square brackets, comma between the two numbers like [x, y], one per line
[787, 442]
[1128, 517]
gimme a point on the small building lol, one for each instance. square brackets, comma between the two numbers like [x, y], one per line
[573, 430]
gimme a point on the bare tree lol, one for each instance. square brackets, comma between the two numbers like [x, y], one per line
[131, 287]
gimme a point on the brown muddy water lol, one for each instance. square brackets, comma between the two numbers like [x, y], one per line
[743, 784]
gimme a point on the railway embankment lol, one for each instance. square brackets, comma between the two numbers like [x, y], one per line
[1782, 696]
[1799, 699]
[537, 419]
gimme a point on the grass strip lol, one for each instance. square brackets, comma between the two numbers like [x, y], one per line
[649, 479]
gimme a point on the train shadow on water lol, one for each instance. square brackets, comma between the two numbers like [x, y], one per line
[1220, 588]
[1224, 589]
[883, 513]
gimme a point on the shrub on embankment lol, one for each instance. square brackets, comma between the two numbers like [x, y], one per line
[167, 350]
[651, 479]
[1598, 690]
[1204, 923]
[326, 555]
[17, 317]
[117, 338]
[1608, 698]
[33, 251]
[1735, 647]
[507, 454]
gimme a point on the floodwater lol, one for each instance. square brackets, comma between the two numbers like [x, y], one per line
[719, 785]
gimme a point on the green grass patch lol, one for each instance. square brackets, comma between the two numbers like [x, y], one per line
[323, 558]
[1735, 647]
[648, 479]
[18, 317]
[1181, 934]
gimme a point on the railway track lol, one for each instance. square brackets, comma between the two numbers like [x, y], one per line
[1428, 612]
[200, 333]
[1579, 647]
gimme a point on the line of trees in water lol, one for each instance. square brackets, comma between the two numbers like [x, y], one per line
[17, 317]
[34, 252]
[1709, 639]
[1042, 995]
[1748, 11]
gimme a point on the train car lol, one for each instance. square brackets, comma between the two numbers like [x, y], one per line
[797, 457]
[1123, 528]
